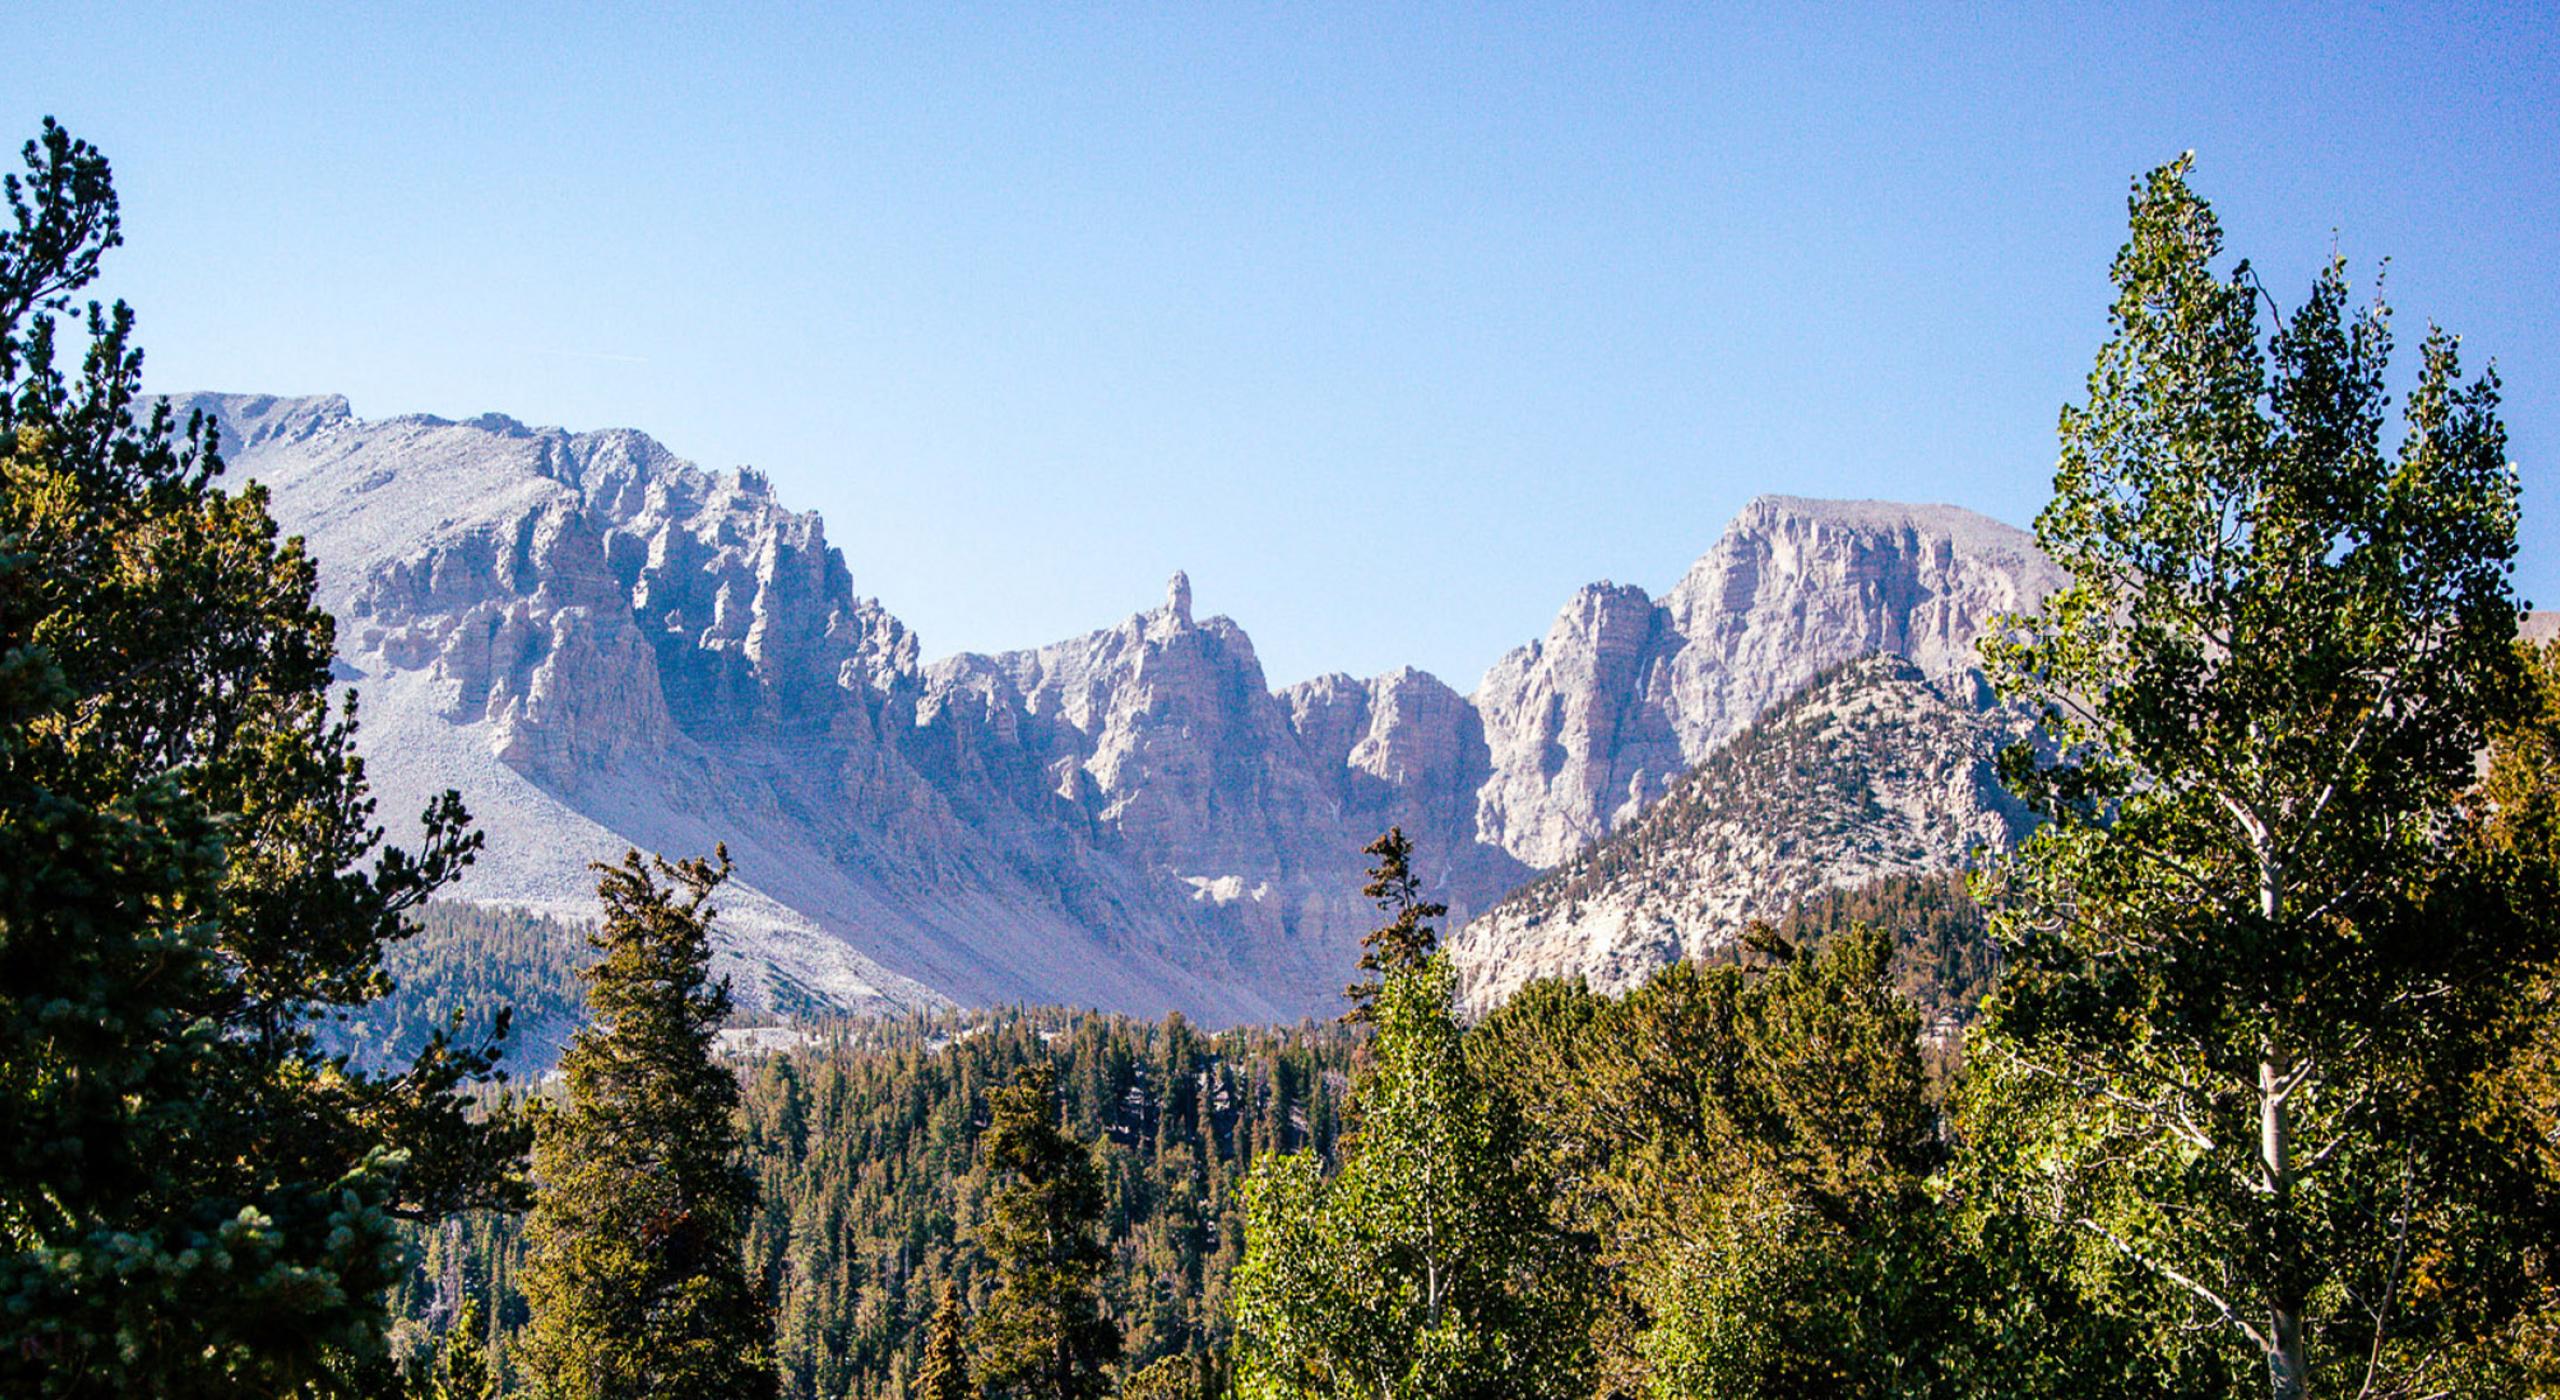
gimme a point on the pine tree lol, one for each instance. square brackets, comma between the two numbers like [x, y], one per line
[463, 1371]
[946, 1364]
[194, 1198]
[1405, 940]
[1043, 1335]
[635, 1264]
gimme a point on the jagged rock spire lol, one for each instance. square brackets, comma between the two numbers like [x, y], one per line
[1177, 597]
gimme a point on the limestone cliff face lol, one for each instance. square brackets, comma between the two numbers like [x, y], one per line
[603, 645]
[1592, 724]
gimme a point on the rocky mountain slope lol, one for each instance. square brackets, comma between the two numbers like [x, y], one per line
[602, 645]
[1872, 770]
[1626, 693]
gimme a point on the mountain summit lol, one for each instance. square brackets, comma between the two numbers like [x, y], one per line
[602, 645]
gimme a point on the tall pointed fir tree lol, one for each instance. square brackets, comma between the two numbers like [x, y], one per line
[462, 1367]
[194, 1199]
[1406, 938]
[946, 1362]
[2253, 978]
[1043, 1335]
[635, 1267]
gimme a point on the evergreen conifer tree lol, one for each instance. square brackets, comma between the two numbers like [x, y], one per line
[946, 1362]
[1405, 939]
[194, 1199]
[635, 1267]
[463, 1370]
[1043, 1335]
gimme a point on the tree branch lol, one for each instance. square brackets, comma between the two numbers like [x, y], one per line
[2206, 1295]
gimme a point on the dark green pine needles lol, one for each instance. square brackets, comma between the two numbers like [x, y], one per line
[946, 1362]
[195, 1197]
[1405, 939]
[1043, 1334]
[635, 1272]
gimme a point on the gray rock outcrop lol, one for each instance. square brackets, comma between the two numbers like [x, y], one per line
[1592, 724]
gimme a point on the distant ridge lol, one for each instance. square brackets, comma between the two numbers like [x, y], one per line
[603, 645]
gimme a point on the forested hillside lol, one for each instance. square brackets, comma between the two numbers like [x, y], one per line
[475, 960]
[865, 1143]
[1943, 956]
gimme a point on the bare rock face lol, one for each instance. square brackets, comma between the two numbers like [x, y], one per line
[1575, 749]
[597, 643]
[1404, 750]
[1592, 724]
[603, 646]
[1871, 770]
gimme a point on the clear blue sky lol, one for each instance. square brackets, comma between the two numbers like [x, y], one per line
[1392, 325]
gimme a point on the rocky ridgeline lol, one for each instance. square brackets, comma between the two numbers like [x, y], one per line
[1871, 770]
[1626, 693]
[602, 645]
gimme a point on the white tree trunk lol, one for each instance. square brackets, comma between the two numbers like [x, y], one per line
[2284, 1314]
[2276, 1082]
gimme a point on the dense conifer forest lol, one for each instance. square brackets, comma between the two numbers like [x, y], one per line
[865, 1143]
[475, 960]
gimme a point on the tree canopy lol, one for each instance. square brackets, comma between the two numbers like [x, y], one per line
[1043, 1334]
[194, 1197]
[1407, 937]
[2251, 968]
[635, 1263]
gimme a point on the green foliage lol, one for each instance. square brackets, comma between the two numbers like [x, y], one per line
[1943, 958]
[1406, 938]
[2518, 807]
[479, 963]
[1197, 1376]
[877, 1190]
[1426, 1266]
[1043, 1335]
[194, 1198]
[873, 1192]
[946, 1358]
[635, 1267]
[463, 1370]
[2253, 971]
[1746, 1155]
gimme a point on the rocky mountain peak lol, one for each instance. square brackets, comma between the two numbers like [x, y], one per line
[1626, 692]
[604, 645]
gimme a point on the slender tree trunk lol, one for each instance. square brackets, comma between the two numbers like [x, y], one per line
[2284, 1312]
[2285, 1378]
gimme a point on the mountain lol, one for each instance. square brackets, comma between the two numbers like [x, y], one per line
[1626, 693]
[602, 645]
[1872, 770]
